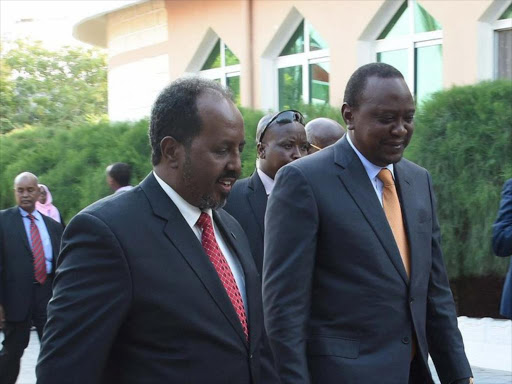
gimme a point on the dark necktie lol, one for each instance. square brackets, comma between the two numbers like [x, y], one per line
[211, 247]
[37, 252]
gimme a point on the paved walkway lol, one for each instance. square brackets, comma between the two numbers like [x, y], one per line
[27, 374]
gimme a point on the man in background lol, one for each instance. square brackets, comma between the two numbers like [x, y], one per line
[322, 132]
[157, 284]
[119, 176]
[29, 245]
[280, 139]
[502, 244]
[354, 284]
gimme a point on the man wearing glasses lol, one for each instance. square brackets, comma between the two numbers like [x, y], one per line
[322, 132]
[354, 285]
[280, 139]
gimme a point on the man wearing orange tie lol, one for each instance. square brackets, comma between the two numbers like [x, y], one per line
[354, 285]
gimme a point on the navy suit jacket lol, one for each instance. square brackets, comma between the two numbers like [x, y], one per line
[17, 262]
[502, 244]
[339, 307]
[247, 203]
[137, 300]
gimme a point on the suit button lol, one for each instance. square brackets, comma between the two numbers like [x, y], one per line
[405, 340]
[411, 300]
[250, 356]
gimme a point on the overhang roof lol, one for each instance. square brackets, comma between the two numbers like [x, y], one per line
[93, 29]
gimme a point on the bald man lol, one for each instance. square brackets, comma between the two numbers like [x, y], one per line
[323, 132]
[29, 245]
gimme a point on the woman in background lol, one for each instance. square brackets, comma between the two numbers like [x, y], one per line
[45, 206]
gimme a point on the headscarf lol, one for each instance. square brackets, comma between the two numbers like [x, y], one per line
[48, 209]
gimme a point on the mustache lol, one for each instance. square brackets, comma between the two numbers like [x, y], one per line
[229, 175]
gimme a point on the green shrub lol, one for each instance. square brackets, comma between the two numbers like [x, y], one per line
[463, 136]
[72, 162]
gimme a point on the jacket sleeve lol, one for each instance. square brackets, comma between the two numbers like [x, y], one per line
[291, 224]
[91, 297]
[502, 228]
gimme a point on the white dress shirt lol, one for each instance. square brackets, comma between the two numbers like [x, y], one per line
[191, 215]
[372, 170]
[268, 182]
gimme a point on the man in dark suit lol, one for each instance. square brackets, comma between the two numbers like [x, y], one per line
[354, 284]
[502, 244]
[150, 290]
[280, 139]
[29, 245]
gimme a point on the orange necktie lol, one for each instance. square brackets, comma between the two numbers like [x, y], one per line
[391, 206]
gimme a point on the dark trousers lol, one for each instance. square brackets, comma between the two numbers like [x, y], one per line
[17, 334]
[418, 372]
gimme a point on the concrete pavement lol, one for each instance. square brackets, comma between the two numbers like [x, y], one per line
[28, 363]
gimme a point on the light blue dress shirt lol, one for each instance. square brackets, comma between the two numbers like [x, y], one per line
[43, 233]
[372, 170]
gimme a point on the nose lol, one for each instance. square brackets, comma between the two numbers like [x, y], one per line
[235, 163]
[296, 153]
[400, 129]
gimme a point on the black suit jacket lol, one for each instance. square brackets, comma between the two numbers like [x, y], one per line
[338, 303]
[247, 203]
[136, 300]
[17, 262]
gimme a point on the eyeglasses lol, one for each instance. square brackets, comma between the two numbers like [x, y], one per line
[314, 146]
[283, 117]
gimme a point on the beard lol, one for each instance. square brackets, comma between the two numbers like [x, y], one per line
[206, 201]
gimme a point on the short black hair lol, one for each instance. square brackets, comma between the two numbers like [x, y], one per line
[121, 173]
[357, 81]
[175, 112]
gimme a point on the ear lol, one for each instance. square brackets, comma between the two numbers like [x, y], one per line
[348, 115]
[260, 148]
[172, 151]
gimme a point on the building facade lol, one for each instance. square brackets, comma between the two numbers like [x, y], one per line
[276, 53]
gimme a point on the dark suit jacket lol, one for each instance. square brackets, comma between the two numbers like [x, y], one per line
[339, 307]
[17, 262]
[502, 244]
[136, 300]
[247, 203]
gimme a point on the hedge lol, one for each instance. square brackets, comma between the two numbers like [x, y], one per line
[463, 136]
[72, 161]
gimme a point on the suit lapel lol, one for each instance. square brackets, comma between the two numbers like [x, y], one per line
[54, 238]
[181, 235]
[258, 200]
[252, 289]
[407, 195]
[19, 227]
[353, 175]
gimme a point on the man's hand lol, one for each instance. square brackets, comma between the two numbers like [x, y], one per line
[2, 317]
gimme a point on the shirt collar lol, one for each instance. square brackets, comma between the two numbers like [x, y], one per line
[36, 213]
[371, 169]
[267, 181]
[189, 212]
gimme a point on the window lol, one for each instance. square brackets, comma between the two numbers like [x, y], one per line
[303, 69]
[503, 45]
[223, 65]
[412, 43]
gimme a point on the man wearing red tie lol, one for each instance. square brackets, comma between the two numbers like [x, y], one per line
[29, 245]
[157, 284]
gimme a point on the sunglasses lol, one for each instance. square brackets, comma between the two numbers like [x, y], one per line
[283, 117]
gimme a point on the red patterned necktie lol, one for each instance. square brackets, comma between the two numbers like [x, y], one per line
[37, 252]
[222, 267]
